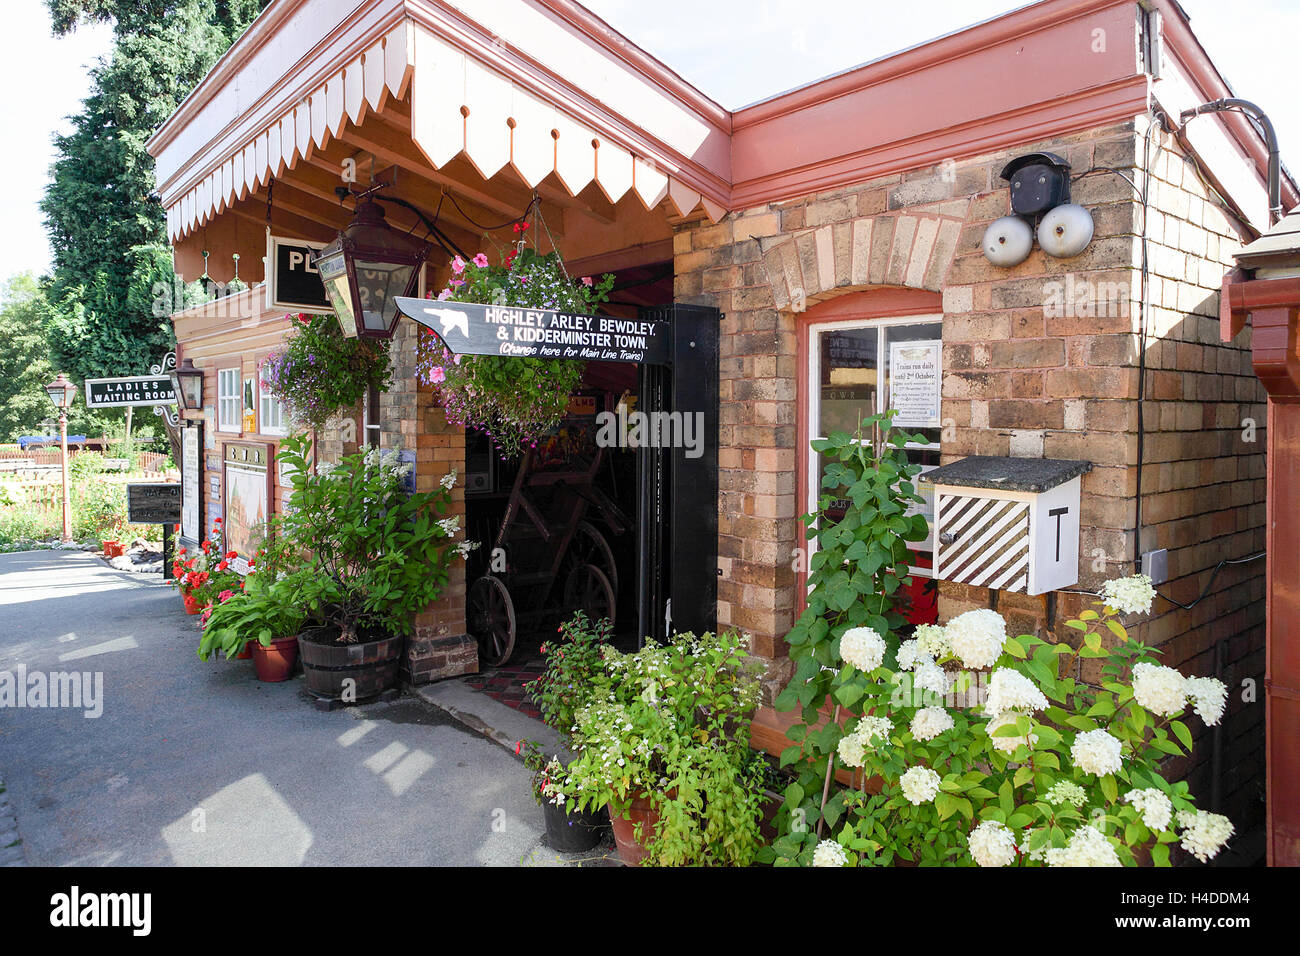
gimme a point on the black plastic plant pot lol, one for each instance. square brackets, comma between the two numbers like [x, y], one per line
[574, 831]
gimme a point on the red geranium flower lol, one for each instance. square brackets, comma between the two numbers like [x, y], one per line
[231, 555]
[216, 521]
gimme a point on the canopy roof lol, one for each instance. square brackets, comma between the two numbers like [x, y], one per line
[546, 89]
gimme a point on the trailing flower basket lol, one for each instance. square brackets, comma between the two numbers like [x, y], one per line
[513, 400]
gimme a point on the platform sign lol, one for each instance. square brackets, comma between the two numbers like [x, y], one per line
[129, 390]
[153, 502]
[292, 281]
[468, 328]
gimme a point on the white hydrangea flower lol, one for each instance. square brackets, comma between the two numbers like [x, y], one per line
[930, 722]
[1208, 696]
[869, 734]
[463, 548]
[1063, 791]
[977, 637]
[863, 648]
[449, 525]
[1096, 751]
[1154, 806]
[448, 480]
[992, 844]
[1204, 833]
[919, 784]
[852, 750]
[874, 730]
[930, 678]
[1161, 690]
[910, 654]
[1011, 690]
[829, 853]
[932, 639]
[1131, 595]
[1087, 847]
[1007, 745]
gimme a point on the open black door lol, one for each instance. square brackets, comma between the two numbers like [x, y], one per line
[678, 515]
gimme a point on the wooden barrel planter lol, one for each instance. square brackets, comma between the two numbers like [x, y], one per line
[370, 666]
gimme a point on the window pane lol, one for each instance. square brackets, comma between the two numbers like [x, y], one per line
[848, 379]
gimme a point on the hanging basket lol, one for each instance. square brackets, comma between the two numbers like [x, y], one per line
[515, 401]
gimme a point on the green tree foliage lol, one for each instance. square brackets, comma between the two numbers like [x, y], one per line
[24, 365]
[106, 226]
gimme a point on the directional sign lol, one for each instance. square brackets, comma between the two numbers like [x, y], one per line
[153, 503]
[468, 328]
[134, 390]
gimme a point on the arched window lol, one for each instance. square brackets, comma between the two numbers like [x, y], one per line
[862, 354]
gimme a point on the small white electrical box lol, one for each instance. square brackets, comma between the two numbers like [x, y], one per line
[1007, 523]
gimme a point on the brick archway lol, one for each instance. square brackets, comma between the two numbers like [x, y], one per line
[902, 249]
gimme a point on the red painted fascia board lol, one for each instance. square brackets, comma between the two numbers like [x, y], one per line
[1011, 26]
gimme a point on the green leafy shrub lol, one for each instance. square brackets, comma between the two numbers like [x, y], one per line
[670, 724]
[965, 745]
[374, 554]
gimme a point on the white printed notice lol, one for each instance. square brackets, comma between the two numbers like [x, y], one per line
[914, 383]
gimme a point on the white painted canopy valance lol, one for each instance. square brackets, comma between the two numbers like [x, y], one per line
[458, 104]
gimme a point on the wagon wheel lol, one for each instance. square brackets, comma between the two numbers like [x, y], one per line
[590, 547]
[490, 617]
[587, 589]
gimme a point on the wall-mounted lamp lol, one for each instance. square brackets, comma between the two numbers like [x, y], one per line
[1040, 195]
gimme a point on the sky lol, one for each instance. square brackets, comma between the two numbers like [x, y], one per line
[735, 51]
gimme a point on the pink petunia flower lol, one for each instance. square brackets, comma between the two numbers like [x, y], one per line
[458, 265]
[438, 375]
[444, 295]
[481, 261]
[456, 283]
[225, 595]
[586, 280]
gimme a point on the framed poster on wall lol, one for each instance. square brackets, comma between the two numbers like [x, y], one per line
[246, 488]
[192, 484]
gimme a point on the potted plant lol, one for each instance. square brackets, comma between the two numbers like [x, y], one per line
[664, 745]
[573, 662]
[374, 556]
[261, 615]
[207, 573]
[513, 400]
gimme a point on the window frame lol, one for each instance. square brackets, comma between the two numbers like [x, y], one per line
[810, 482]
[265, 398]
[234, 373]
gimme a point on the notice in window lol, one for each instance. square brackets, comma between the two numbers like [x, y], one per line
[914, 383]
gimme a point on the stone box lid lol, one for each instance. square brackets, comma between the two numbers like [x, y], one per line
[1009, 474]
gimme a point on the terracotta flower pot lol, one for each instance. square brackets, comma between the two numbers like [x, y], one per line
[275, 662]
[641, 811]
[191, 605]
[113, 549]
[247, 653]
